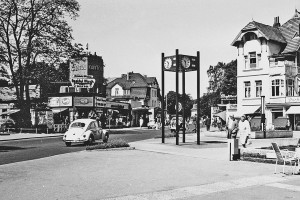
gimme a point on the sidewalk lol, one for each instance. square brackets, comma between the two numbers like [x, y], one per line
[152, 171]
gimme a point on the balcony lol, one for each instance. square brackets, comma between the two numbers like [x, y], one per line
[288, 68]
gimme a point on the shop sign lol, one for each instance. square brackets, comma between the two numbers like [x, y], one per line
[100, 102]
[116, 105]
[83, 101]
[53, 101]
[293, 99]
[65, 101]
[83, 81]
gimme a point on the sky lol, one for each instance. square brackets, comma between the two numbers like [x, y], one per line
[131, 35]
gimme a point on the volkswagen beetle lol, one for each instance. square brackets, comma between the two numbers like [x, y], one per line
[84, 131]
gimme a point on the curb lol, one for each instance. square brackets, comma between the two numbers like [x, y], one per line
[114, 149]
[27, 138]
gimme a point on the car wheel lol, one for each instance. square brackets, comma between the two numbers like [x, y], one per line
[90, 140]
[105, 139]
[68, 144]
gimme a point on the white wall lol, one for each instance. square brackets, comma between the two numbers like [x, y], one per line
[118, 87]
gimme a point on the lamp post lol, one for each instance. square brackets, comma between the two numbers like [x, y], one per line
[263, 116]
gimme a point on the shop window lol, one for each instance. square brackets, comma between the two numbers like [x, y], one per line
[247, 89]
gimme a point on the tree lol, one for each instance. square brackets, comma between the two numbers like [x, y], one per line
[222, 80]
[171, 103]
[34, 31]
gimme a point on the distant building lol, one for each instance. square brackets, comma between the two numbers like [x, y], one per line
[268, 61]
[142, 92]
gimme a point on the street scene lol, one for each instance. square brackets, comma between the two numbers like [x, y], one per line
[131, 99]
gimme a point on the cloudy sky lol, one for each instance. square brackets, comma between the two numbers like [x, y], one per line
[130, 35]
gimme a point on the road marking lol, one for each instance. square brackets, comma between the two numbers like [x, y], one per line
[186, 192]
[285, 186]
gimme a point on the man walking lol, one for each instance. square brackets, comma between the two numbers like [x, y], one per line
[232, 127]
[207, 123]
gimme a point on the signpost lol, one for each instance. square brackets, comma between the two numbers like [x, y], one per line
[181, 64]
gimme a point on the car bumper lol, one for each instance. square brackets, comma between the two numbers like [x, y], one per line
[75, 140]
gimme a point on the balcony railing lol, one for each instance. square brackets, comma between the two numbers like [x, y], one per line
[284, 67]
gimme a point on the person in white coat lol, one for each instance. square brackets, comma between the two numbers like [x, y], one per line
[244, 130]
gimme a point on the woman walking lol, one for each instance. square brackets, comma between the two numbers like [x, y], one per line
[244, 130]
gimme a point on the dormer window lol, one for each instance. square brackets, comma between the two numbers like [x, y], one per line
[249, 36]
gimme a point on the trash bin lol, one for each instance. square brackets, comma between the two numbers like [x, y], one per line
[233, 149]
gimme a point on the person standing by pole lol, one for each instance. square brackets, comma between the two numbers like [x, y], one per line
[232, 127]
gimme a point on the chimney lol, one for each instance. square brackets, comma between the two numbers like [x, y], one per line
[123, 75]
[276, 22]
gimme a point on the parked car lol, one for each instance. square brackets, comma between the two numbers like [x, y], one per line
[84, 131]
[173, 124]
[151, 124]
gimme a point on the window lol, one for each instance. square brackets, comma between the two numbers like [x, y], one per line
[290, 87]
[277, 87]
[116, 91]
[246, 62]
[252, 59]
[258, 88]
[247, 89]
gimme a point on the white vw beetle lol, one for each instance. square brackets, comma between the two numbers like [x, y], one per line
[84, 131]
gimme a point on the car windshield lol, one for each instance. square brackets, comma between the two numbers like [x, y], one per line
[77, 125]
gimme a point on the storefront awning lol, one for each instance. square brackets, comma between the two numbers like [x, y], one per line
[58, 110]
[221, 114]
[10, 112]
[293, 110]
[247, 110]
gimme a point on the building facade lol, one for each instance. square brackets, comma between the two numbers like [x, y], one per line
[268, 61]
[142, 92]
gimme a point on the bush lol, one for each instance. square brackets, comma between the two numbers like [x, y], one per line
[114, 143]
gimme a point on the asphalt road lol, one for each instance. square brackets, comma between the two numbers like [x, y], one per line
[29, 149]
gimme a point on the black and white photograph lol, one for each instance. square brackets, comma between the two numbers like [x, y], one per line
[149, 99]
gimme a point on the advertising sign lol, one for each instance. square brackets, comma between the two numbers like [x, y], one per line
[53, 101]
[65, 101]
[83, 81]
[59, 101]
[186, 63]
[78, 67]
[84, 101]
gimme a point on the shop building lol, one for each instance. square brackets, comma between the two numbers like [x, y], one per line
[140, 91]
[84, 96]
[268, 61]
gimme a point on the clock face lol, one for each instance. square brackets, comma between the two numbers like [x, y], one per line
[168, 63]
[186, 62]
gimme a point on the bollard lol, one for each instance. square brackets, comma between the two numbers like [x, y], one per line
[233, 149]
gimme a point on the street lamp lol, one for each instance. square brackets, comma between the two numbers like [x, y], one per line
[263, 116]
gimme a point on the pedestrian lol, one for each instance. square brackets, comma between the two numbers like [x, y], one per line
[141, 121]
[244, 130]
[232, 127]
[288, 124]
[207, 123]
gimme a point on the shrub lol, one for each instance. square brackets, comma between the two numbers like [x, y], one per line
[114, 143]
